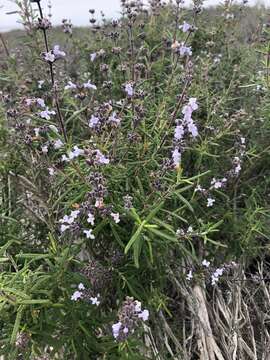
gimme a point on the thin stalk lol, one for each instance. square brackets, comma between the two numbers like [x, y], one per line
[60, 118]
[4, 45]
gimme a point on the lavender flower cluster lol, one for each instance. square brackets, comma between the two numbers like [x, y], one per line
[130, 316]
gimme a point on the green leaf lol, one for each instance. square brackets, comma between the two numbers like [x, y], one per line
[16, 324]
[183, 200]
[135, 236]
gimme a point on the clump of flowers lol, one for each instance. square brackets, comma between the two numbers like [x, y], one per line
[85, 294]
[185, 126]
[130, 317]
[54, 54]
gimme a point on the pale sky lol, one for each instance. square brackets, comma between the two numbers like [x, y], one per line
[76, 10]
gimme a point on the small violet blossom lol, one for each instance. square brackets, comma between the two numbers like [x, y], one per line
[58, 144]
[185, 50]
[114, 119]
[88, 234]
[185, 27]
[179, 132]
[81, 286]
[129, 89]
[54, 54]
[95, 301]
[51, 171]
[70, 85]
[205, 263]
[49, 57]
[44, 149]
[217, 184]
[68, 220]
[101, 159]
[144, 315]
[40, 102]
[76, 295]
[210, 202]
[93, 56]
[93, 122]
[89, 85]
[90, 219]
[237, 165]
[115, 217]
[58, 53]
[73, 154]
[46, 114]
[40, 83]
[215, 276]
[176, 156]
[116, 329]
[189, 275]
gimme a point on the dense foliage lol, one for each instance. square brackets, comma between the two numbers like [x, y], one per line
[134, 166]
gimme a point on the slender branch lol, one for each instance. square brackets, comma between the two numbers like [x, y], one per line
[60, 118]
[4, 45]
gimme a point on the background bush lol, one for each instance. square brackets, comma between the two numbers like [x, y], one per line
[188, 238]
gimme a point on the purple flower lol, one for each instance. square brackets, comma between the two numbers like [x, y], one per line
[76, 295]
[215, 276]
[46, 114]
[81, 286]
[90, 219]
[115, 217]
[101, 159]
[179, 132]
[93, 122]
[73, 154]
[185, 27]
[58, 144]
[116, 329]
[89, 85]
[185, 50]
[70, 85]
[129, 89]
[176, 156]
[144, 315]
[49, 56]
[205, 263]
[51, 171]
[95, 301]
[114, 119]
[187, 112]
[58, 53]
[192, 128]
[189, 275]
[138, 306]
[210, 202]
[44, 149]
[88, 234]
[40, 102]
[40, 83]
[237, 165]
[217, 184]
[64, 227]
[93, 56]
[29, 102]
[193, 104]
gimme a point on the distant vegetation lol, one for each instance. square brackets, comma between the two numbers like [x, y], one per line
[134, 184]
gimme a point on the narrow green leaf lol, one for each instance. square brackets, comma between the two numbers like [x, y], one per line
[135, 237]
[16, 324]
